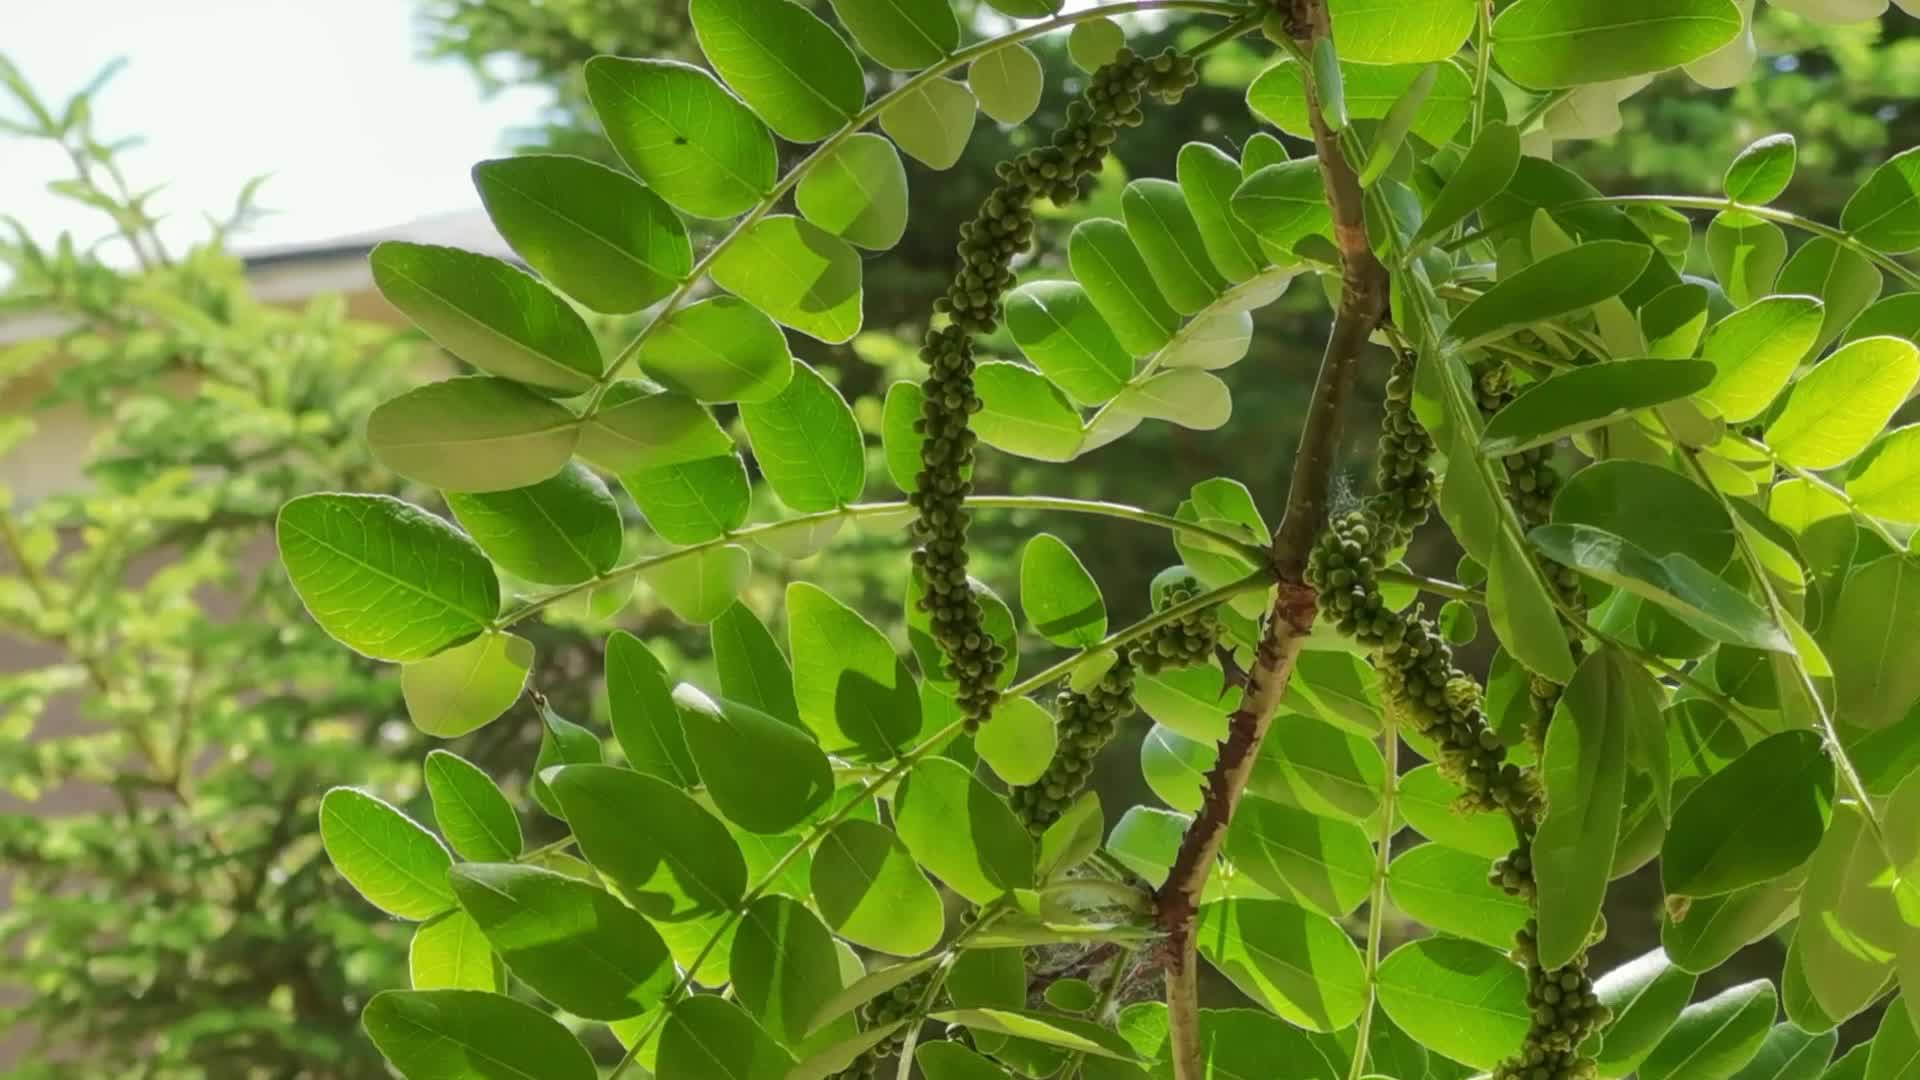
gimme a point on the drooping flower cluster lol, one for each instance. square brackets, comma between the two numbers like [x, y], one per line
[1063, 170]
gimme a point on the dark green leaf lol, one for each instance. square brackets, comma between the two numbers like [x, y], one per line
[1710, 848]
[945, 1059]
[1058, 329]
[1646, 996]
[1022, 413]
[1877, 617]
[858, 192]
[385, 578]
[1714, 928]
[1208, 178]
[561, 531]
[1059, 597]
[905, 35]
[562, 742]
[1461, 999]
[1716, 1038]
[1558, 285]
[1675, 582]
[1746, 254]
[1158, 218]
[472, 1035]
[1885, 213]
[571, 942]
[808, 444]
[1283, 203]
[682, 865]
[1762, 171]
[753, 671]
[956, 827]
[1080, 1036]
[600, 236]
[1326, 863]
[708, 1036]
[784, 964]
[795, 271]
[1299, 965]
[1544, 44]
[853, 690]
[1845, 280]
[682, 133]
[691, 502]
[641, 711]
[1587, 397]
[642, 425]
[765, 775]
[1111, 269]
[1487, 168]
[720, 349]
[489, 314]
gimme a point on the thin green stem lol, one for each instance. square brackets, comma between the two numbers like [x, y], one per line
[825, 150]
[1259, 579]
[1758, 571]
[1482, 61]
[853, 511]
[1377, 902]
[1539, 109]
[1891, 265]
[1109, 991]
[988, 915]
[1452, 590]
[544, 850]
[1872, 523]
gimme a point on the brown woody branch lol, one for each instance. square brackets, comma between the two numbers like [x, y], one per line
[1363, 304]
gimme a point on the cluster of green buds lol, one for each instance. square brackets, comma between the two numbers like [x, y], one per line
[1063, 170]
[1401, 469]
[1531, 477]
[1566, 1012]
[1087, 720]
[899, 1003]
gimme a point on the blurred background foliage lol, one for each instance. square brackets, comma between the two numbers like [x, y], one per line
[168, 912]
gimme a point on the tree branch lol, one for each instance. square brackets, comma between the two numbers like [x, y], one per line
[1363, 303]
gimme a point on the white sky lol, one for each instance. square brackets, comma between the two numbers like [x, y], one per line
[327, 96]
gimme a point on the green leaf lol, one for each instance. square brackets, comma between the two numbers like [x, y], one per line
[468, 686]
[1558, 285]
[562, 742]
[561, 531]
[1716, 927]
[641, 711]
[1080, 1036]
[1847, 281]
[1160, 222]
[1022, 413]
[1715, 1038]
[1896, 1046]
[1145, 840]
[752, 669]
[784, 964]
[1671, 323]
[1762, 171]
[1186, 396]
[1485, 171]
[1319, 768]
[571, 942]
[1208, 179]
[765, 775]
[853, 690]
[1675, 582]
[1412, 32]
[1457, 998]
[1072, 838]
[642, 425]
[1428, 798]
[1836, 409]
[1283, 203]
[1093, 43]
[700, 588]
[709, 1036]
[1017, 742]
[932, 121]
[693, 143]
[1008, 83]
[473, 815]
[872, 985]
[1746, 254]
[489, 314]
[1875, 621]
[1544, 44]
[1522, 612]
[1110, 267]
[1850, 926]
[1646, 996]
[1057, 327]
[1278, 96]
[720, 349]
[472, 1035]
[1391, 135]
[1887, 485]
[1711, 850]
[869, 891]
[473, 433]
[944, 1059]
[1059, 597]
[1299, 965]
[692, 502]
[858, 192]
[802, 275]
[1192, 701]
[1448, 891]
[1175, 767]
[1885, 213]
[1756, 350]
[899, 442]
[905, 35]
[1659, 510]
[449, 953]
[684, 864]
[1584, 770]
[385, 578]
[1587, 397]
[808, 444]
[397, 865]
[1789, 1053]
[962, 832]
[1326, 863]
[600, 236]
[795, 72]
